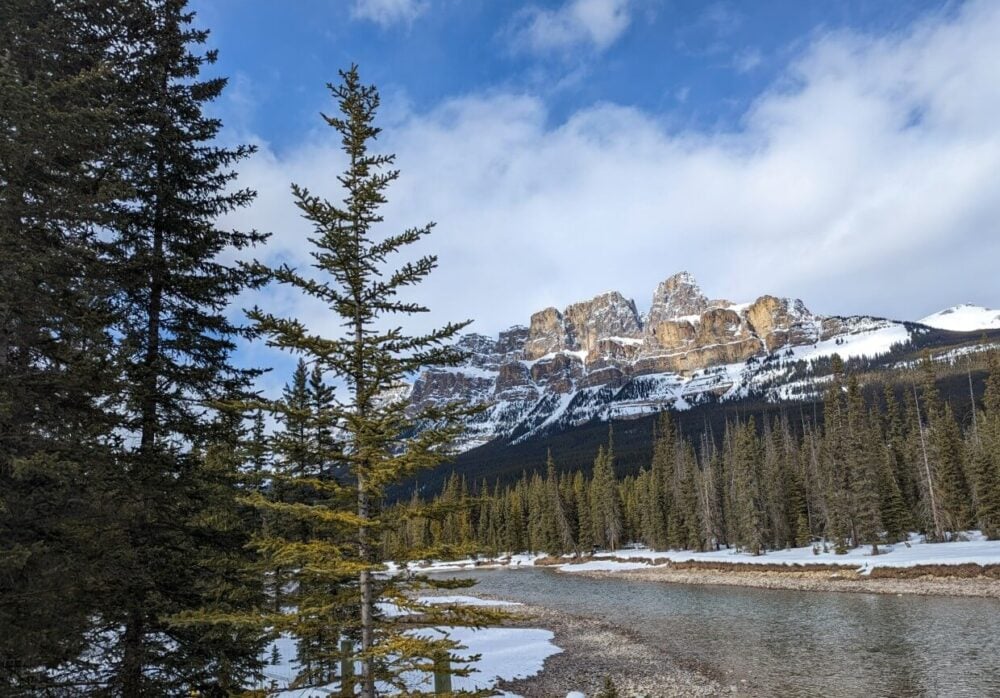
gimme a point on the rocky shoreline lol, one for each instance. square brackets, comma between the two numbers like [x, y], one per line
[593, 650]
[799, 579]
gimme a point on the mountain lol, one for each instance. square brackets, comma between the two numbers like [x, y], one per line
[601, 359]
[964, 318]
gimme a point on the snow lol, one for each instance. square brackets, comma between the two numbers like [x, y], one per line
[519, 560]
[468, 371]
[465, 601]
[505, 654]
[964, 318]
[975, 549]
[625, 340]
[869, 343]
[602, 566]
[972, 548]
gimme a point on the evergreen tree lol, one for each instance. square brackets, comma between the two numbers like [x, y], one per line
[55, 374]
[863, 466]
[986, 453]
[605, 501]
[378, 446]
[584, 523]
[561, 534]
[944, 448]
[748, 515]
[172, 289]
[836, 465]
[661, 483]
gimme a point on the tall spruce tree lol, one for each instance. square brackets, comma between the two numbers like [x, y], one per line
[371, 356]
[747, 504]
[605, 500]
[55, 373]
[166, 250]
[558, 522]
[986, 452]
[944, 450]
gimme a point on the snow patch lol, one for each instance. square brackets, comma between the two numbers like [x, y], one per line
[964, 318]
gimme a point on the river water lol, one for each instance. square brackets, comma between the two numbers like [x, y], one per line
[788, 643]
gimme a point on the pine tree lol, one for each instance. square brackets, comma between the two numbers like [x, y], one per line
[986, 453]
[55, 372]
[896, 440]
[863, 467]
[165, 249]
[661, 483]
[944, 450]
[323, 447]
[605, 501]
[370, 360]
[748, 514]
[584, 523]
[836, 470]
[561, 533]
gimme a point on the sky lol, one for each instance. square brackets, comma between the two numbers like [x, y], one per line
[845, 153]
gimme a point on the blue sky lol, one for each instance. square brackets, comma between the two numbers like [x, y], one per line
[844, 153]
[695, 64]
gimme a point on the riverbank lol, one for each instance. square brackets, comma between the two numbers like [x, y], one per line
[664, 639]
[926, 582]
[593, 650]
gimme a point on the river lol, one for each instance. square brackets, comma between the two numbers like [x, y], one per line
[787, 643]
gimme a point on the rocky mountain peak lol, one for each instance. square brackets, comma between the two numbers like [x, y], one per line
[678, 296]
[582, 326]
[546, 334]
[599, 358]
[781, 321]
[607, 315]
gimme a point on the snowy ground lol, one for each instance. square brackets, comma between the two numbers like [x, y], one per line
[915, 552]
[505, 653]
[974, 549]
[519, 560]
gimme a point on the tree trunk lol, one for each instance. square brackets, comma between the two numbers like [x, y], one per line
[367, 600]
[133, 660]
[927, 469]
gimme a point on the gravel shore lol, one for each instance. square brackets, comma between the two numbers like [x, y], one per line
[803, 580]
[593, 650]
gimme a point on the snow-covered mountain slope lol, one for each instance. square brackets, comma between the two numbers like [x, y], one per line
[599, 359]
[964, 318]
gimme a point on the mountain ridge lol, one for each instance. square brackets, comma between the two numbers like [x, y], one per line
[601, 359]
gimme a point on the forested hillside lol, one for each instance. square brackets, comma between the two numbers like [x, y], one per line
[868, 472]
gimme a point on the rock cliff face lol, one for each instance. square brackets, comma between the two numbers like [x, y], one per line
[600, 358]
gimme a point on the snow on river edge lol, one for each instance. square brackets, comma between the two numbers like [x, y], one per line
[512, 653]
[505, 653]
[974, 548]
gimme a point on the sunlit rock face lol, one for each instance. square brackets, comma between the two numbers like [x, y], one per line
[601, 358]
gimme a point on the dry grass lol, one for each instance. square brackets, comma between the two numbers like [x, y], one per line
[964, 571]
[760, 567]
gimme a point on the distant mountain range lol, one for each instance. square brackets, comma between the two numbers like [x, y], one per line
[601, 359]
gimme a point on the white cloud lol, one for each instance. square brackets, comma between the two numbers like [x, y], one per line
[866, 180]
[594, 24]
[388, 12]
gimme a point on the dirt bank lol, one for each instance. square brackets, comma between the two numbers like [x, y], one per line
[931, 582]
